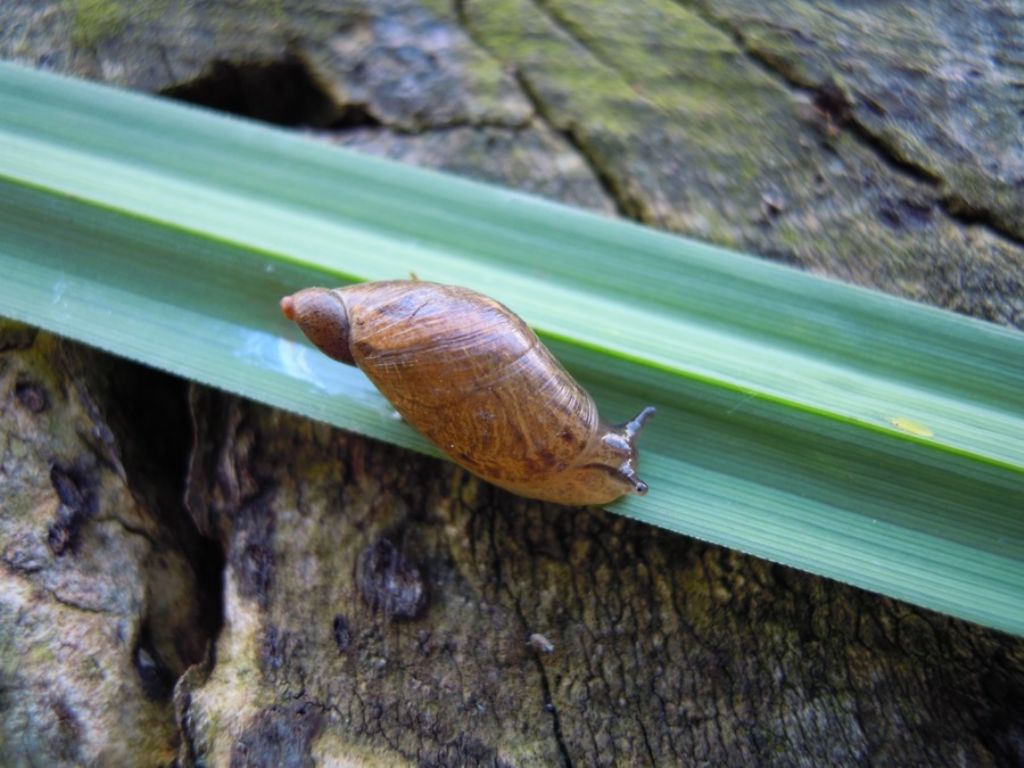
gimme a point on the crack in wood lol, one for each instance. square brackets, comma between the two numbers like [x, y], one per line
[549, 705]
[624, 205]
[954, 206]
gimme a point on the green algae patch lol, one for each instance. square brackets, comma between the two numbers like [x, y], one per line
[94, 21]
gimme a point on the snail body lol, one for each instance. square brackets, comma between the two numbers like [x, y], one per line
[473, 378]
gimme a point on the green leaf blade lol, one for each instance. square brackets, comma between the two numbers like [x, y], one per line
[816, 424]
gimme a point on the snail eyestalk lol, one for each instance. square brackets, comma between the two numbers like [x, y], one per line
[630, 431]
[635, 426]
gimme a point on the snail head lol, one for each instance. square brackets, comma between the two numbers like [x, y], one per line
[611, 460]
[321, 315]
[623, 438]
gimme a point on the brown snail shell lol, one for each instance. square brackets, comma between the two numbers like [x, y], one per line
[477, 382]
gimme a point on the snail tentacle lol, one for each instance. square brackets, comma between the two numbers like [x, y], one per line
[632, 428]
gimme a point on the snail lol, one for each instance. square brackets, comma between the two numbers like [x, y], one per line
[473, 378]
